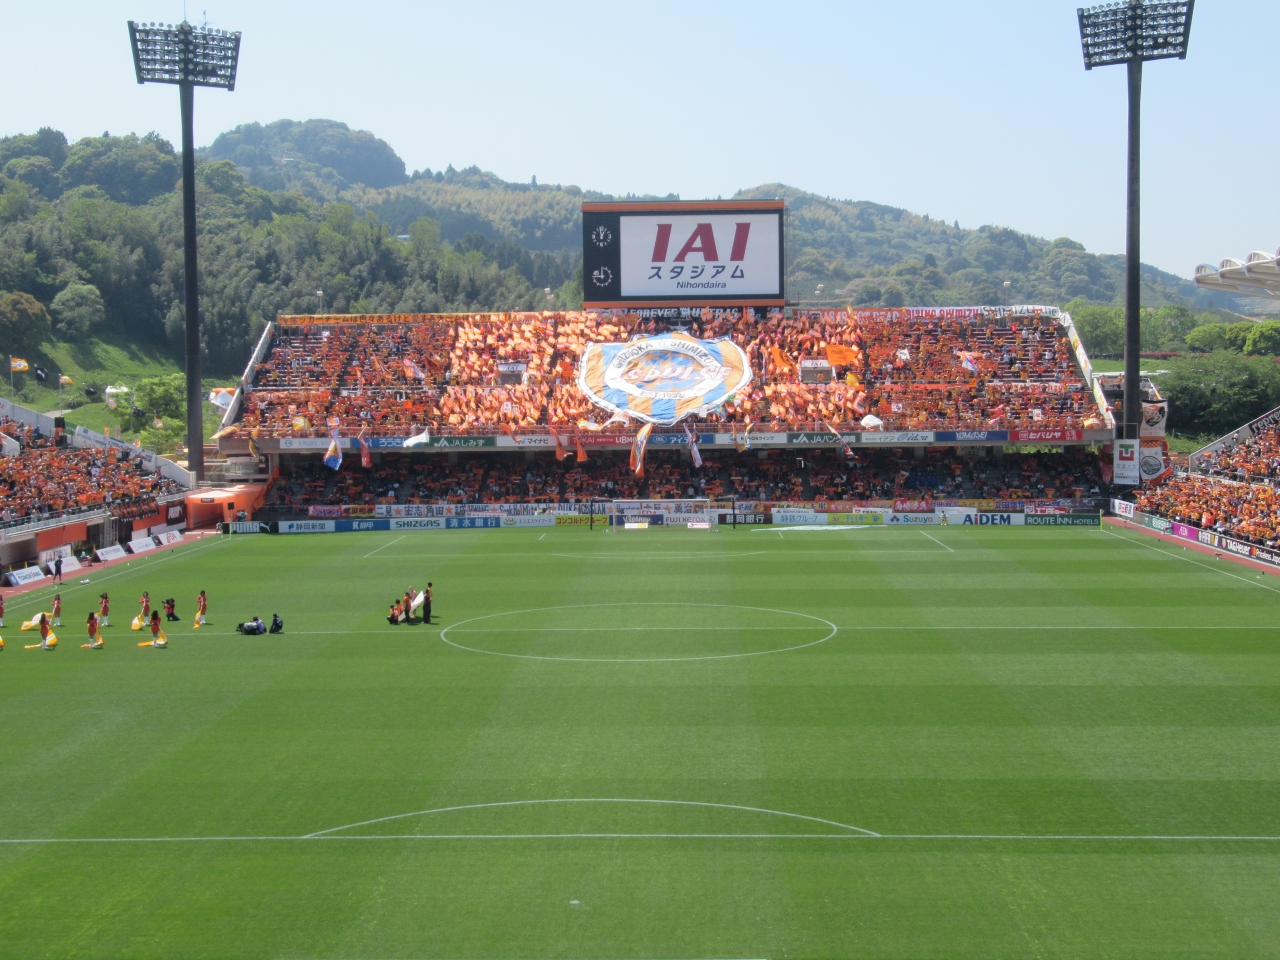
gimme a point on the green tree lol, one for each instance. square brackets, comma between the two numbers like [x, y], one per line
[128, 169]
[162, 397]
[1237, 335]
[1264, 339]
[1215, 393]
[38, 172]
[78, 309]
[24, 323]
[1208, 338]
[1101, 328]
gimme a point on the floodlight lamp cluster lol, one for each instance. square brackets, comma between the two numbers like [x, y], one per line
[1135, 30]
[184, 54]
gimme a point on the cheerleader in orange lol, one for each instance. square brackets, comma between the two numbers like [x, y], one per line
[202, 607]
[158, 640]
[57, 609]
[47, 639]
[95, 638]
[104, 607]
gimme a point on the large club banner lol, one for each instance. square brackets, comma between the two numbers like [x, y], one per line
[662, 379]
[665, 254]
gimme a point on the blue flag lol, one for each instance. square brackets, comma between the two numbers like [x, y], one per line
[333, 458]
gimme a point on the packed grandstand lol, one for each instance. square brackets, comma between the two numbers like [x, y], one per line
[940, 369]
[976, 406]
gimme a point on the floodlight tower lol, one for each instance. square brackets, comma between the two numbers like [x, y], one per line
[189, 57]
[1129, 33]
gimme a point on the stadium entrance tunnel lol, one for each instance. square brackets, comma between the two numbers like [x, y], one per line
[600, 816]
[639, 632]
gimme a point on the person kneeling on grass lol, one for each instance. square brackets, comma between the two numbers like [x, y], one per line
[277, 625]
[396, 613]
[252, 628]
[170, 606]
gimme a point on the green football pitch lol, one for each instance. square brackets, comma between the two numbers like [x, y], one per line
[1025, 742]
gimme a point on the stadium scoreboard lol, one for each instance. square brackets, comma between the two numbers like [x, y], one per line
[664, 254]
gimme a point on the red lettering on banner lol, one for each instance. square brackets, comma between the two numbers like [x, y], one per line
[739, 251]
[913, 506]
[1023, 436]
[661, 242]
[706, 239]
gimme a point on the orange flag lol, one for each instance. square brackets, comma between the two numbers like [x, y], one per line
[838, 355]
[780, 360]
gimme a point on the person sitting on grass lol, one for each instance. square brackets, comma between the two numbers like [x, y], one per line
[277, 625]
[252, 628]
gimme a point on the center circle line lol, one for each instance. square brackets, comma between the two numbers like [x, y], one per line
[444, 634]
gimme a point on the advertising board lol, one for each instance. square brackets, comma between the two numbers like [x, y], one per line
[304, 526]
[994, 519]
[744, 518]
[1124, 465]
[863, 519]
[20, 578]
[416, 523]
[651, 519]
[899, 519]
[1064, 520]
[668, 254]
[1122, 508]
[545, 520]
[1045, 436]
[898, 437]
[820, 438]
[799, 517]
[471, 523]
[113, 552]
[141, 545]
[576, 520]
[971, 436]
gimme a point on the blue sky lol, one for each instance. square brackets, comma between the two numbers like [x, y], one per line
[978, 111]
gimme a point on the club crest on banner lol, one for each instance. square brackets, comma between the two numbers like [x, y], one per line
[662, 379]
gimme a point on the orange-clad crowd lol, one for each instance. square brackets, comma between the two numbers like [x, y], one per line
[475, 374]
[1255, 460]
[51, 480]
[1246, 511]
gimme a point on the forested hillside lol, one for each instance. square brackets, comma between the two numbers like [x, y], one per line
[296, 214]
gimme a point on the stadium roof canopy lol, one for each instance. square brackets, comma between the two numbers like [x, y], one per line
[1258, 275]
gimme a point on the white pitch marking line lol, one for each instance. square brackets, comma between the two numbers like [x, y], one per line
[384, 546]
[1178, 556]
[176, 553]
[526, 803]
[656, 603]
[938, 542]
[1115, 838]
[616, 629]
[542, 536]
